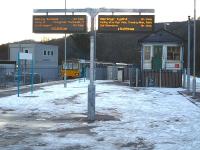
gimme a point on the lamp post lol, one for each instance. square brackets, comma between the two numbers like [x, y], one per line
[194, 52]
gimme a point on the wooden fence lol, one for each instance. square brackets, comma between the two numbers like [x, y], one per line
[150, 78]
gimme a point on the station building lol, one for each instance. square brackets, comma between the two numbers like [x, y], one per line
[162, 50]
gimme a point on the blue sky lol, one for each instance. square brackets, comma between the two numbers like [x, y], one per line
[16, 15]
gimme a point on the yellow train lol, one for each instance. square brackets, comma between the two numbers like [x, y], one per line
[71, 69]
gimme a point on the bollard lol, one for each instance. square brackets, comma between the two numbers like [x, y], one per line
[184, 79]
[160, 78]
[136, 77]
[130, 77]
[146, 82]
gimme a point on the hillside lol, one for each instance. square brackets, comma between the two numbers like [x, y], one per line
[117, 47]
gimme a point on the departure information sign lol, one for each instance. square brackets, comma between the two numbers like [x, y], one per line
[125, 23]
[59, 24]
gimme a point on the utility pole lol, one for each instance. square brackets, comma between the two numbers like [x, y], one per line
[194, 53]
[188, 60]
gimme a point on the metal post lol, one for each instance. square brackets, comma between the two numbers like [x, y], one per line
[184, 78]
[18, 75]
[32, 76]
[65, 65]
[142, 57]
[136, 77]
[160, 78]
[130, 76]
[188, 61]
[8, 53]
[84, 71]
[95, 42]
[147, 84]
[194, 53]
[24, 72]
[91, 86]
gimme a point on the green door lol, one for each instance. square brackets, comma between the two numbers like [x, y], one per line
[157, 58]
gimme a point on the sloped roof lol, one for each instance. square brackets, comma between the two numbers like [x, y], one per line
[162, 36]
[25, 42]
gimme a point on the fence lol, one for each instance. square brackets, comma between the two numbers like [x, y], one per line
[145, 78]
[9, 76]
[150, 78]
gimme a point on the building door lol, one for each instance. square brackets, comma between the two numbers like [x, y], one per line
[120, 74]
[157, 58]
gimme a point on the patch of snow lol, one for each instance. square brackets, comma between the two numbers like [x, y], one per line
[151, 118]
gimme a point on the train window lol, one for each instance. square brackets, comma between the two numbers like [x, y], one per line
[45, 52]
[69, 65]
[48, 53]
[173, 53]
[147, 52]
[75, 65]
[51, 53]
[25, 51]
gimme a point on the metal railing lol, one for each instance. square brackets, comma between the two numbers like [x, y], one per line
[9, 76]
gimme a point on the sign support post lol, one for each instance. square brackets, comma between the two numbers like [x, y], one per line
[91, 86]
[92, 12]
[32, 77]
[18, 74]
[25, 56]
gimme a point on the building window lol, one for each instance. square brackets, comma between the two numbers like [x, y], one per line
[45, 52]
[51, 53]
[48, 53]
[147, 52]
[25, 51]
[173, 53]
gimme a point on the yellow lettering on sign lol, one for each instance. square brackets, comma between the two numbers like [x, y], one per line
[125, 29]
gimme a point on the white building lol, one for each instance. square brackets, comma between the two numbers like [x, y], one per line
[162, 50]
[45, 58]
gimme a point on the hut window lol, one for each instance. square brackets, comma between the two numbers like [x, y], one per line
[173, 53]
[147, 52]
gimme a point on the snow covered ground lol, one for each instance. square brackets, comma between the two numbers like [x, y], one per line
[127, 118]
